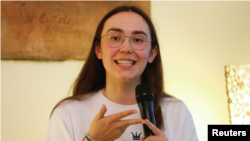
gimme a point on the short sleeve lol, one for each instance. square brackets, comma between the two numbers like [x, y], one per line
[189, 131]
[57, 130]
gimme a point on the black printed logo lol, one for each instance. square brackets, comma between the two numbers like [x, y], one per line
[135, 136]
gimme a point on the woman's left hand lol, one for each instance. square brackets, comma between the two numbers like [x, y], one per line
[159, 135]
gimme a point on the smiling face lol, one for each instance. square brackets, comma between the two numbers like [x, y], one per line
[124, 63]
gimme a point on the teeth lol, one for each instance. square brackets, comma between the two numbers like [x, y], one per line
[125, 62]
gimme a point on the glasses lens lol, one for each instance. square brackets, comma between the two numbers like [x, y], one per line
[138, 41]
[115, 39]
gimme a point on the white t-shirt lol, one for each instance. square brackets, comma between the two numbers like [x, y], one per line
[71, 120]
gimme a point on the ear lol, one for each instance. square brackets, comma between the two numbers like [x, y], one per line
[153, 53]
[98, 51]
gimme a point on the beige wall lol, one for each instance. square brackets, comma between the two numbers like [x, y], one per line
[197, 40]
[29, 92]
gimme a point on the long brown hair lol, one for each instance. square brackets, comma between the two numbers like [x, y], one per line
[92, 77]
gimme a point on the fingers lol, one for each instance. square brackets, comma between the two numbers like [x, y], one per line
[142, 139]
[128, 122]
[153, 128]
[101, 113]
[156, 138]
[121, 115]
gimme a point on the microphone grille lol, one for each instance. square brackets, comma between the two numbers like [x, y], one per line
[144, 93]
[143, 88]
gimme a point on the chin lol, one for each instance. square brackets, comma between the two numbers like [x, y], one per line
[128, 78]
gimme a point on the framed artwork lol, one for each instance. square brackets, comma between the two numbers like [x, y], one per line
[53, 30]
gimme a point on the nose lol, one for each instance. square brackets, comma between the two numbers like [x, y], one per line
[126, 46]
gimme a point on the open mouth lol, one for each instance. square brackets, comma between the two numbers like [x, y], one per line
[125, 62]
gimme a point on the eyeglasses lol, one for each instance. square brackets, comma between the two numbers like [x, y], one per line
[137, 41]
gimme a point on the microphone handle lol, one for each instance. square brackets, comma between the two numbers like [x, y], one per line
[147, 112]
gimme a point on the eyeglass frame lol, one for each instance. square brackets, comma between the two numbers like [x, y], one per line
[123, 39]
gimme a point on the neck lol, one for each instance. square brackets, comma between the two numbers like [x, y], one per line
[121, 93]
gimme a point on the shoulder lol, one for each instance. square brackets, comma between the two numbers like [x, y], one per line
[75, 104]
[171, 101]
[178, 120]
[73, 111]
[70, 116]
[175, 107]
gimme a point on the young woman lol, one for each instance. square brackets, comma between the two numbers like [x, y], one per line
[125, 52]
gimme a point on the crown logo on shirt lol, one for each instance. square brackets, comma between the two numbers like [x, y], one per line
[135, 136]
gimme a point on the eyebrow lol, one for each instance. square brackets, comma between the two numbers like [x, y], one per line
[134, 32]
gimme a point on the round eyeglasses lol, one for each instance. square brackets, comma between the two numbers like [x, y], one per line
[137, 41]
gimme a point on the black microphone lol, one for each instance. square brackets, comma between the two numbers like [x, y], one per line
[145, 100]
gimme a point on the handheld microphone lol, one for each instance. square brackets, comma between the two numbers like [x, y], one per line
[145, 100]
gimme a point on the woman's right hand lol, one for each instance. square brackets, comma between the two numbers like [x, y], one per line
[111, 127]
